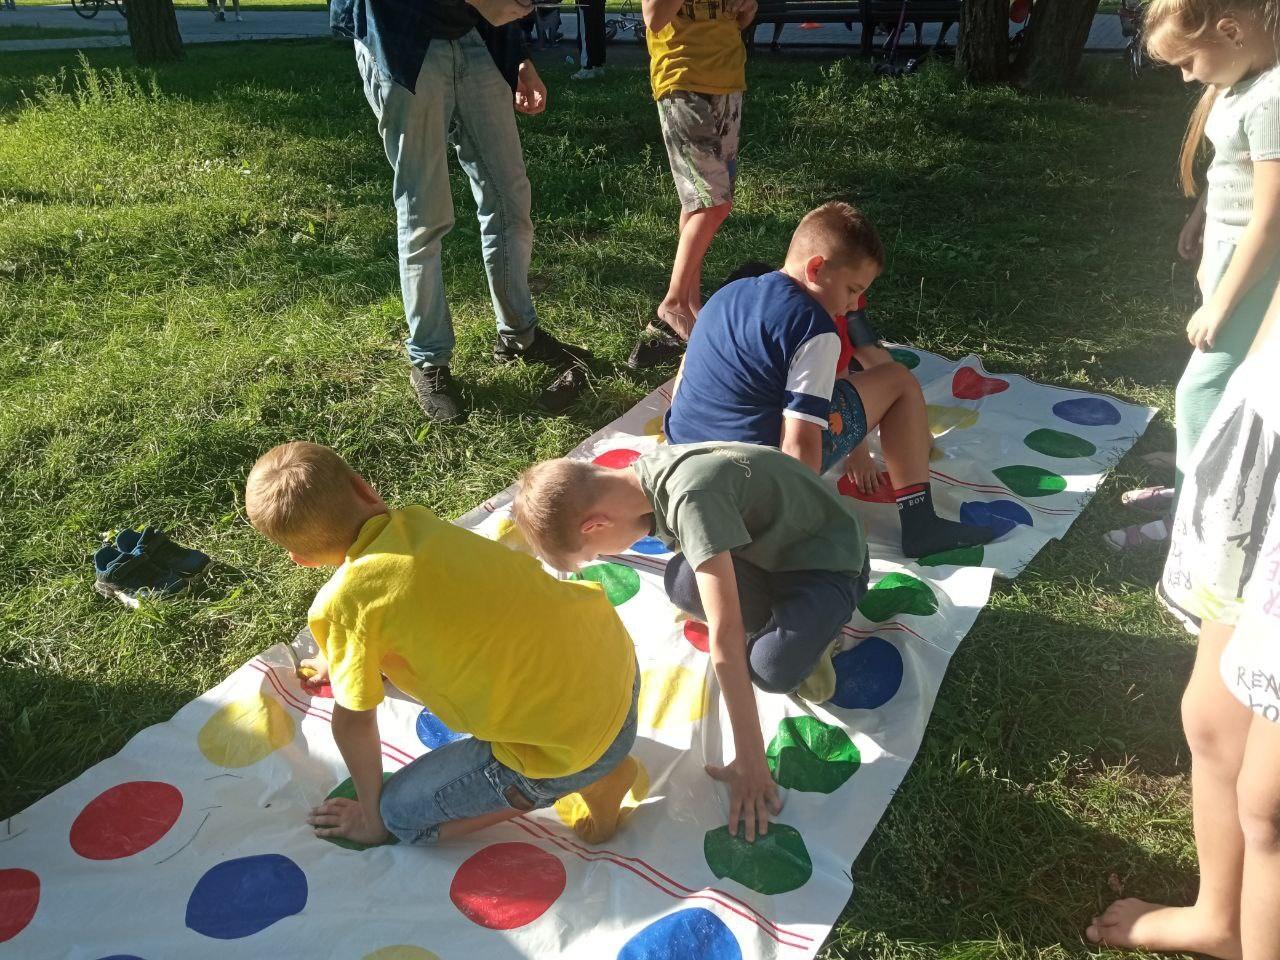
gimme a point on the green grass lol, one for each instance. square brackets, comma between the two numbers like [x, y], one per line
[198, 263]
[8, 32]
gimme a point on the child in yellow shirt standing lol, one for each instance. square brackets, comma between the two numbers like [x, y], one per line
[540, 672]
[697, 68]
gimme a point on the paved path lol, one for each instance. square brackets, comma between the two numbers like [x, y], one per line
[197, 26]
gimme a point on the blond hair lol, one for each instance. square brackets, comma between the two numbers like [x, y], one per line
[838, 232]
[301, 495]
[553, 498]
[1173, 29]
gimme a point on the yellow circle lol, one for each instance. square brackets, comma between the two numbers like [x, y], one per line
[572, 808]
[942, 419]
[243, 732]
[401, 951]
[672, 695]
[653, 428]
[509, 535]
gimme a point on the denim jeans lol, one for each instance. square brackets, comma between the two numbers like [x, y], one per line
[462, 779]
[461, 100]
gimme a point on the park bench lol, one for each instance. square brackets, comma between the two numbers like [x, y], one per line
[867, 13]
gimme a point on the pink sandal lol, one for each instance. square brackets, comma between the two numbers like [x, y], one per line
[1138, 535]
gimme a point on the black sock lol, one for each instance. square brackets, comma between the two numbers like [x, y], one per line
[924, 532]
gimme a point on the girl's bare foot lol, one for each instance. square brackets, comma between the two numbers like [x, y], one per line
[678, 316]
[1150, 926]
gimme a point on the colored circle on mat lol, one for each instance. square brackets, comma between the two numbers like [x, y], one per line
[907, 358]
[125, 819]
[1087, 411]
[617, 459]
[777, 862]
[1055, 443]
[507, 885]
[572, 808]
[1028, 481]
[957, 557]
[401, 951]
[653, 427]
[241, 897]
[868, 675]
[19, 897]
[1001, 515]
[433, 733]
[672, 695]
[694, 933]
[699, 637]
[121, 956]
[882, 493]
[943, 419]
[969, 384]
[807, 754]
[347, 790]
[620, 583]
[651, 546]
[245, 731]
[895, 594]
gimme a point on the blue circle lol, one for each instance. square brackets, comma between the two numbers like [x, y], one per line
[692, 934]
[122, 956]
[1087, 411]
[239, 898]
[868, 675]
[1000, 515]
[650, 545]
[432, 731]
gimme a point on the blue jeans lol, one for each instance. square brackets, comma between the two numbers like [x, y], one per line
[461, 99]
[462, 779]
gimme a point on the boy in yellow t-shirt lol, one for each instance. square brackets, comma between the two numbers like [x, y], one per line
[697, 68]
[539, 671]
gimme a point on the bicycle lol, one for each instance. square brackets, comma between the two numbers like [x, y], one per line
[90, 8]
[1131, 26]
[628, 19]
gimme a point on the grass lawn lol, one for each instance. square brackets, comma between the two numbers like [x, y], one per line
[198, 263]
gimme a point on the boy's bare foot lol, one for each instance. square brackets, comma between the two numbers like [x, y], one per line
[604, 802]
[1150, 926]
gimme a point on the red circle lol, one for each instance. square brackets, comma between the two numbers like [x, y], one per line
[883, 493]
[695, 631]
[507, 885]
[125, 819]
[320, 690]
[617, 459]
[19, 896]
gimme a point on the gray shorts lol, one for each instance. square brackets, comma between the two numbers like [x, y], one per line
[463, 779]
[701, 134]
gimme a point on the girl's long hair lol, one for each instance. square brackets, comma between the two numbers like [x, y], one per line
[1173, 29]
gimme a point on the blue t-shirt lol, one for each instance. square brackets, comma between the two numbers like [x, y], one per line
[762, 349]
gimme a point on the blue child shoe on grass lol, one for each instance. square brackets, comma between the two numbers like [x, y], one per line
[146, 565]
[166, 554]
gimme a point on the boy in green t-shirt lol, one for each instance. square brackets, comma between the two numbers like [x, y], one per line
[769, 556]
[697, 69]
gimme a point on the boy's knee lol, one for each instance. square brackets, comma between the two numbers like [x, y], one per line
[1211, 743]
[1259, 812]
[395, 814]
[772, 670]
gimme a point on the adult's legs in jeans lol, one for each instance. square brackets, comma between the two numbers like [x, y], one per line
[810, 607]
[755, 591]
[488, 144]
[1217, 728]
[414, 130]
[591, 38]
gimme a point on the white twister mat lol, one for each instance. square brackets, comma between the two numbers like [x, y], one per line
[191, 842]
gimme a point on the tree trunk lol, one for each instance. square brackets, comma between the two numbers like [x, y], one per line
[153, 31]
[1055, 42]
[982, 51]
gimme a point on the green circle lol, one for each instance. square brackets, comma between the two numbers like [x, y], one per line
[1055, 443]
[620, 582]
[1030, 481]
[807, 754]
[347, 790]
[959, 557]
[905, 357]
[898, 593]
[778, 862]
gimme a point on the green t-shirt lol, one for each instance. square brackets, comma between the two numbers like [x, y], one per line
[762, 504]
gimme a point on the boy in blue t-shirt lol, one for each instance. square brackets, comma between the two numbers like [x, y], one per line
[764, 365]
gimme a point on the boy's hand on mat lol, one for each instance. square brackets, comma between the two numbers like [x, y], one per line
[861, 469]
[313, 671]
[1202, 329]
[753, 796]
[340, 817]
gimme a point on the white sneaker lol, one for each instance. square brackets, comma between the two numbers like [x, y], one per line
[588, 73]
[239, 19]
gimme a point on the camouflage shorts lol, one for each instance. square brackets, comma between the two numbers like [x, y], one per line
[701, 134]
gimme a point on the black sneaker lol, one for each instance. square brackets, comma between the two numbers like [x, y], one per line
[565, 389]
[544, 348]
[658, 344]
[433, 386]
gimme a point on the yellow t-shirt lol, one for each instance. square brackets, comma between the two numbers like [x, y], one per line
[700, 50]
[493, 645]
